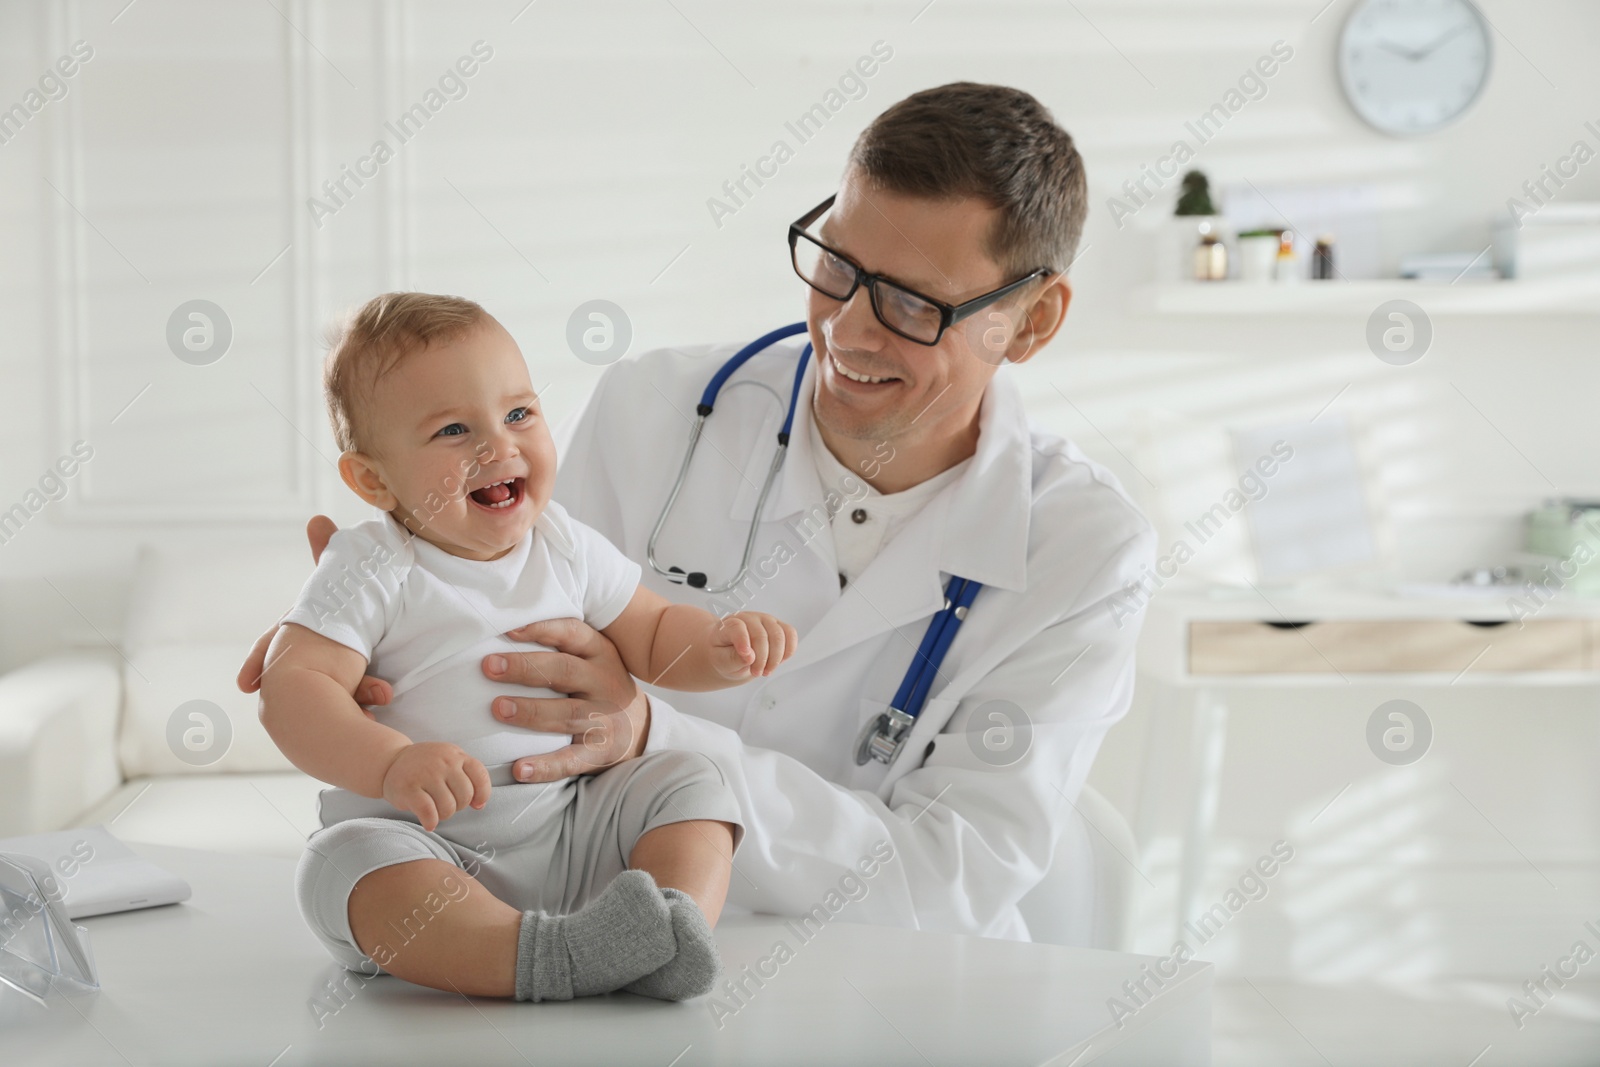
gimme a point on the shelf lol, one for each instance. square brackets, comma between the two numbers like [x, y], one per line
[1574, 296]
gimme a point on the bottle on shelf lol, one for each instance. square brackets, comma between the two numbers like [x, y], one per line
[1288, 266]
[1210, 256]
[1322, 268]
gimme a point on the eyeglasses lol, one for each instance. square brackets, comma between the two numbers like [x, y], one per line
[906, 312]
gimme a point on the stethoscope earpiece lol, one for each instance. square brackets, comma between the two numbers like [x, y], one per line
[693, 579]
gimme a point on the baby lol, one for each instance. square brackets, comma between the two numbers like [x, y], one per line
[587, 885]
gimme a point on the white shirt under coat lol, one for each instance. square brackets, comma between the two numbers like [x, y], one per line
[863, 518]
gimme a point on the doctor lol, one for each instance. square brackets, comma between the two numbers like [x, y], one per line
[940, 262]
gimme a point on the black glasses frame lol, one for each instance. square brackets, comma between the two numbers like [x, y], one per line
[949, 314]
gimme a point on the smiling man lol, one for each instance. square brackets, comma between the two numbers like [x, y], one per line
[940, 263]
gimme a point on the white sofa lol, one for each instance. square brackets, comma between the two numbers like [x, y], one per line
[84, 740]
[83, 736]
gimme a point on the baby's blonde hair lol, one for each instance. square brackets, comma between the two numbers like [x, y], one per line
[375, 338]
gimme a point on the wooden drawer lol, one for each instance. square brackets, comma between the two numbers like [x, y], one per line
[1386, 645]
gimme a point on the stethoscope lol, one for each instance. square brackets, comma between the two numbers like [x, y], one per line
[708, 400]
[882, 738]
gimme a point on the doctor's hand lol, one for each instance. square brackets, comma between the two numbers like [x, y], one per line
[750, 644]
[606, 715]
[369, 692]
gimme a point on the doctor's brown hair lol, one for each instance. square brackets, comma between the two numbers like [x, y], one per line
[375, 338]
[992, 142]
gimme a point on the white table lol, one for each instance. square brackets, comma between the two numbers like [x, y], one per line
[229, 977]
[1202, 640]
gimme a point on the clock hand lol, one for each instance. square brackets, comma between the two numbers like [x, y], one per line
[1420, 53]
[1436, 45]
[1390, 46]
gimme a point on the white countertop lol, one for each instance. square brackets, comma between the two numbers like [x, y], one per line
[1164, 638]
[1309, 602]
[230, 976]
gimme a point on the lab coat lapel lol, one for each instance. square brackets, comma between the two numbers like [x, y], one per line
[977, 528]
[985, 533]
[899, 587]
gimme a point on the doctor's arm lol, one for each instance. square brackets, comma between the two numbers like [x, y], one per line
[964, 835]
[970, 832]
[968, 838]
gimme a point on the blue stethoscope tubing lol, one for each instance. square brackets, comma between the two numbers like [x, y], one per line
[708, 399]
[914, 689]
[882, 738]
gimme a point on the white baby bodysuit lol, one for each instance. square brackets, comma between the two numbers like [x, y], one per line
[424, 619]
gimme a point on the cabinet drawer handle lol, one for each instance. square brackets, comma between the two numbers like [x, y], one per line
[1286, 625]
[1487, 624]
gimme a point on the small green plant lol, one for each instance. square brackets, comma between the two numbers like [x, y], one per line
[1196, 196]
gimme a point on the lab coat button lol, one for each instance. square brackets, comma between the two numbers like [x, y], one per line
[859, 515]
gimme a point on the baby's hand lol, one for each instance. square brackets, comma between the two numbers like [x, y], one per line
[433, 780]
[750, 644]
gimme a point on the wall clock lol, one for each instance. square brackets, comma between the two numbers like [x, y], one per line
[1414, 66]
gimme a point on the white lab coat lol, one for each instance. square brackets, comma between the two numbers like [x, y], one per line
[1050, 534]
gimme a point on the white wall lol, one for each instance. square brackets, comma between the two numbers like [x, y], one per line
[579, 165]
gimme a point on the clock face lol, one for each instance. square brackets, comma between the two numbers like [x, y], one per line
[1413, 66]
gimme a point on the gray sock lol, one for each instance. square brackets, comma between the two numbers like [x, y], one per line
[695, 969]
[625, 932]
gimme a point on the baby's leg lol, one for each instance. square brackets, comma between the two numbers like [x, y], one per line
[691, 862]
[695, 856]
[676, 821]
[469, 947]
[478, 945]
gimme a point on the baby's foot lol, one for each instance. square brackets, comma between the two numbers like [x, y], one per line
[695, 969]
[624, 933]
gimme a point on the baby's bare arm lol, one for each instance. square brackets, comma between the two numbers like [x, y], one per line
[309, 712]
[681, 647]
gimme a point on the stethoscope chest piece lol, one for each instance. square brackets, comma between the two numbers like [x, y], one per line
[882, 738]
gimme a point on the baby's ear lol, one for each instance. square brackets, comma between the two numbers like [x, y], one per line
[360, 472]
